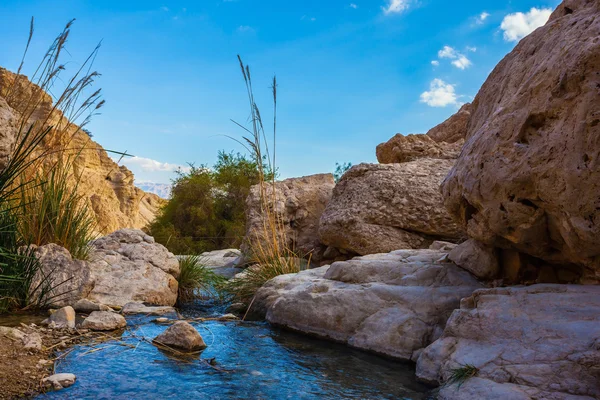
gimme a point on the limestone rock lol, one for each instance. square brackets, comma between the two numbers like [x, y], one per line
[104, 321]
[380, 208]
[114, 199]
[70, 280]
[63, 318]
[477, 258]
[528, 176]
[30, 341]
[539, 341]
[140, 308]
[128, 266]
[394, 304]
[401, 148]
[454, 129]
[86, 306]
[181, 336]
[299, 205]
[59, 381]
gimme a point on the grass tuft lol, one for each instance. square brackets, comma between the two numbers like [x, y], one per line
[197, 281]
[461, 374]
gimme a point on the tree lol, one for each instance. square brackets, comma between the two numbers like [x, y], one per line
[340, 170]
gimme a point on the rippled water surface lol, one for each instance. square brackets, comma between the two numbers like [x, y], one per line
[262, 363]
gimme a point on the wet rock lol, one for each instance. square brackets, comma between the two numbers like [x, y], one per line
[477, 258]
[299, 204]
[63, 318]
[87, 306]
[181, 336]
[528, 176]
[379, 208]
[140, 308]
[539, 341]
[104, 321]
[393, 304]
[59, 381]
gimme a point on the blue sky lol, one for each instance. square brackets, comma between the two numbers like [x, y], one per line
[351, 74]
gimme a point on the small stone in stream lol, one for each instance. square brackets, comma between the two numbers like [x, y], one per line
[87, 306]
[104, 321]
[140, 308]
[59, 381]
[182, 336]
[162, 320]
[228, 317]
[61, 319]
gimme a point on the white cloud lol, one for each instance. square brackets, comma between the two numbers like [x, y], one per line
[440, 94]
[471, 49]
[150, 165]
[459, 60]
[462, 62]
[311, 19]
[482, 17]
[435, 63]
[245, 29]
[395, 6]
[518, 25]
[352, 5]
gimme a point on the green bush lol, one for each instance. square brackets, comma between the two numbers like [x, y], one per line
[196, 281]
[207, 207]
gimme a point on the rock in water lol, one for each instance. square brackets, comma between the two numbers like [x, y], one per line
[128, 266]
[181, 336]
[62, 319]
[393, 304]
[299, 205]
[528, 177]
[104, 321]
[59, 381]
[534, 342]
[140, 308]
[380, 208]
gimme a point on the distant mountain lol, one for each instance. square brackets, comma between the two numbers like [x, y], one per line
[160, 189]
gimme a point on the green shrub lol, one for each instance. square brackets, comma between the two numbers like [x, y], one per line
[196, 281]
[340, 170]
[461, 374]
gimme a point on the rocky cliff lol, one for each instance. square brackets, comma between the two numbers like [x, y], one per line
[114, 199]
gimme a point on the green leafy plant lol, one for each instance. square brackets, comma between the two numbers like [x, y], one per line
[461, 374]
[197, 281]
[340, 170]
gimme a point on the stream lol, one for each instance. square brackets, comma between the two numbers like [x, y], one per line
[251, 361]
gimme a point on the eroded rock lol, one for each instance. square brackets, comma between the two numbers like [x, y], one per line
[394, 304]
[405, 148]
[477, 258]
[380, 208]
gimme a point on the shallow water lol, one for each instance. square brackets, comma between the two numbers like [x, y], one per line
[264, 363]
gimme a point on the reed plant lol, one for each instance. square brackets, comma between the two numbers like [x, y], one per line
[33, 181]
[267, 249]
[197, 281]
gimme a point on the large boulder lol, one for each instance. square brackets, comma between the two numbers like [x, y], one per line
[528, 177]
[298, 205]
[405, 148]
[61, 280]
[535, 342]
[378, 208]
[129, 266]
[393, 304]
[454, 129]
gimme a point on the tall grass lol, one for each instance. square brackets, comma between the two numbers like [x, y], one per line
[197, 281]
[268, 248]
[32, 183]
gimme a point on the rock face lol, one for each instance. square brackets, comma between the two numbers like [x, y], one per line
[535, 342]
[181, 336]
[443, 141]
[70, 280]
[401, 148]
[114, 199]
[380, 208]
[128, 266]
[394, 304]
[477, 258]
[104, 321]
[299, 205]
[454, 129]
[528, 176]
